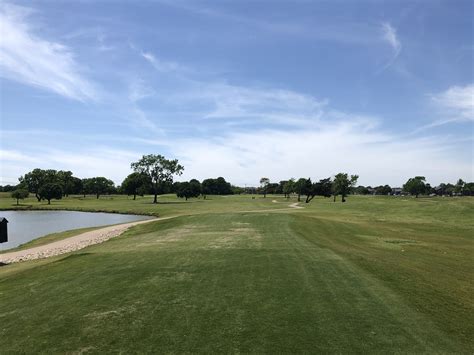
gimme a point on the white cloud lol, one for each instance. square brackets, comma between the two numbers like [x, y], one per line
[162, 65]
[276, 106]
[112, 163]
[377, 157]
[456, 104]
[355, 145]
[389, 35]
[32, 60]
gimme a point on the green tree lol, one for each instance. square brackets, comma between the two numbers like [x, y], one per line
[321, 188]
[383, 190]
[361, 190]
[86, 186]
[216, 187]
[76, 184]
[134, 183]
[158, 169]
[300, 187]
[289, 187]
[459, 187]
[20, 194]
[36, 178]
[65, 179]
[468, 189]
[49, 191]
[264, 182]
[342, 185]
[188, 189]
[415, 186]
[99, 185]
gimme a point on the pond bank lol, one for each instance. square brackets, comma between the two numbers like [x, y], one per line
[70, 244]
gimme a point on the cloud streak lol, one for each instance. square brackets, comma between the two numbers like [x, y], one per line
[27, 58]
[457, 102]
[389, 35]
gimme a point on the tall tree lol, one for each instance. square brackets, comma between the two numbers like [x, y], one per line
[134, 182]
[51, 190]
[459, 187]
[36, 178]
[342, 185]
[65, 179]
[321, 188]
[158, 169]
[264, 182]
[300, 187]
[415, 186]
[289, 187]
[98, 185]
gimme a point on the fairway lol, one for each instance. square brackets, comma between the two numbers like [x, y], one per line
[237, 274]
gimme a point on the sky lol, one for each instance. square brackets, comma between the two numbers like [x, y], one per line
[239, 89]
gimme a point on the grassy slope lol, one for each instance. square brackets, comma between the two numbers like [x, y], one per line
[375, 274]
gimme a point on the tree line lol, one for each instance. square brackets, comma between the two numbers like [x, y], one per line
[154, 174]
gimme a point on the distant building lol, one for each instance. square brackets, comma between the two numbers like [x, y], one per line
[396, 191]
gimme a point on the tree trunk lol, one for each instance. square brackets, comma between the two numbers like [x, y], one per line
[49, 202]
[17, 202]
[334, 198]
[299, 197]
[264, 195]
[39, 198]
[134, 197]
[343, 198]
[97, 196]
[155, 192]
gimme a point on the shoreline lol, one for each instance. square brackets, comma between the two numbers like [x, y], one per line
[70, 244]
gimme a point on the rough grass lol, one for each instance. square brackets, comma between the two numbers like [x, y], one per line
[373, 275]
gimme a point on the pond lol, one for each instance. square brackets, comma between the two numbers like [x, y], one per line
[24, 226]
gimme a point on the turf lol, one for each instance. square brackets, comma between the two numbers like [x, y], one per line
[236, 274]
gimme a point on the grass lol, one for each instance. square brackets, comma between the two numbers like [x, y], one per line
[236, 274]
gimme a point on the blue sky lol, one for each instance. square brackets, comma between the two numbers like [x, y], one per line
[240, 89]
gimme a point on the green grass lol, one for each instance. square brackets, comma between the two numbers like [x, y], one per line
[236, 274]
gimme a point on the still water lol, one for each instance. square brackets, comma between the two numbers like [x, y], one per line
[24, 226]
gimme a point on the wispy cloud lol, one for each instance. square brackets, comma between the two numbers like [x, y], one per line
[456, 102]
[162, 65]
[389, 35]
[265, 105]
[139, 90]
[35, 61]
